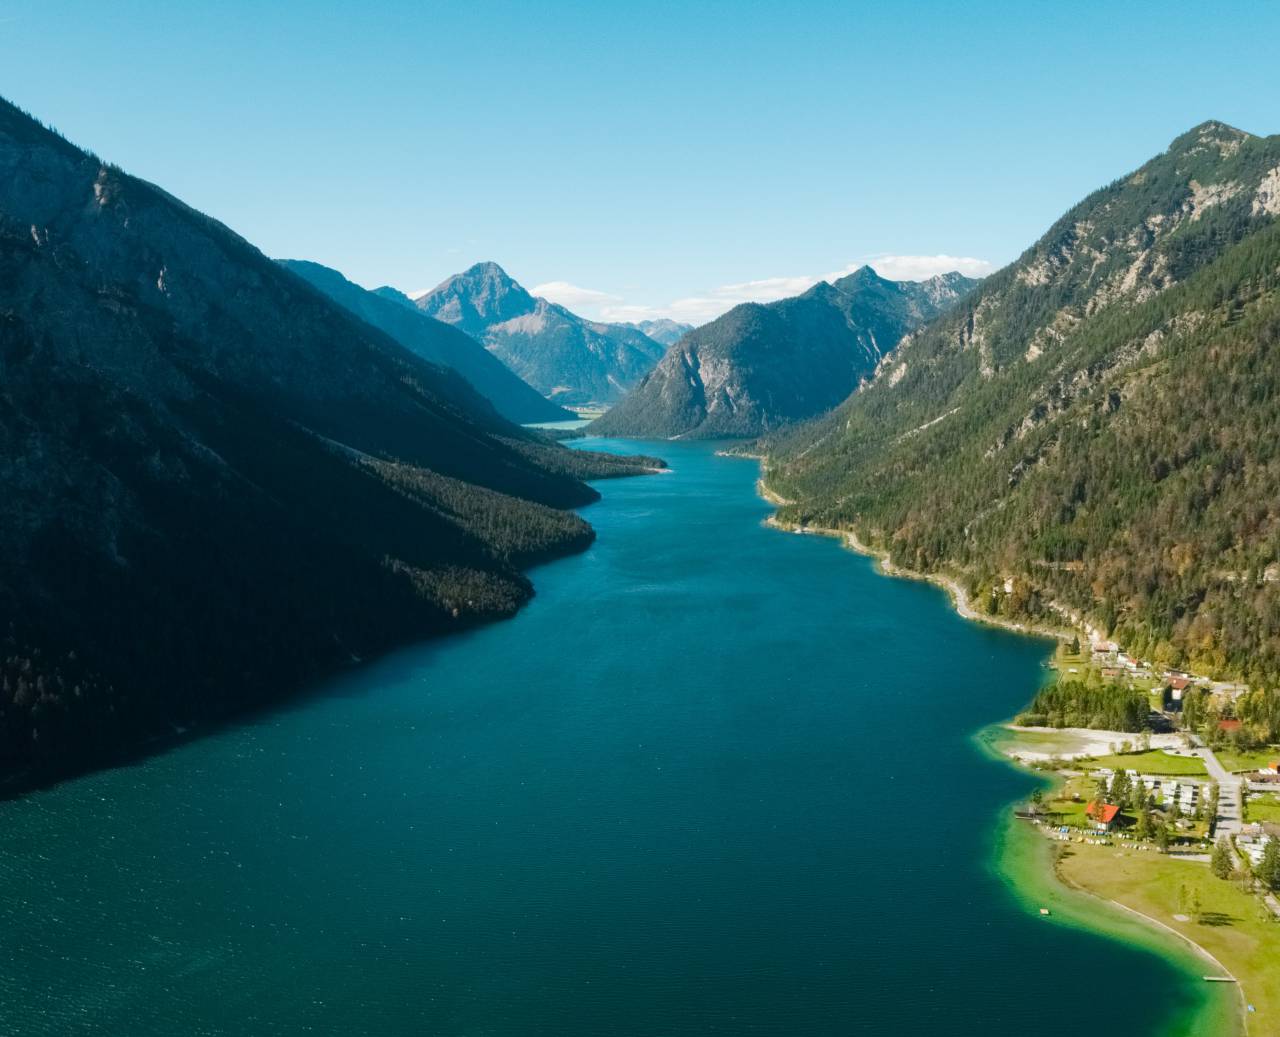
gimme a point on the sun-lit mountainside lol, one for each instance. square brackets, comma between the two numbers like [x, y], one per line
[1098, 425]
[218, 484]
[435, 341]
[762, 366]
[571, 360]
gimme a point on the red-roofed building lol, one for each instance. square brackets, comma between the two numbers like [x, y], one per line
[1229, 725]
[1179, 683]
[1103, 815]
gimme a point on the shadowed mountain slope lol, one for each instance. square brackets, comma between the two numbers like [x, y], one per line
[218, 484]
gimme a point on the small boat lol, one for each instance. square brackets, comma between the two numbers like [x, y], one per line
[1044, 910]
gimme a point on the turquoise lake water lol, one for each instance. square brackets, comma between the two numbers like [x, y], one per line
[715, 779]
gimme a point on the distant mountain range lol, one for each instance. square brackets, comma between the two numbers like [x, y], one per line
[389, 311]
[570, 360]
[1094, 430]
[663, 330]
[762, 366]
[217, 484]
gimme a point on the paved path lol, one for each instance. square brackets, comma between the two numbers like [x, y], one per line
[1229, 818]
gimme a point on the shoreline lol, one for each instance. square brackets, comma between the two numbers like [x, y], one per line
[1028, 863]
[1105, 921]
[1093, 911]
[884, 565]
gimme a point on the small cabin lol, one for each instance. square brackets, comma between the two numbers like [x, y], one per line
[1103, 815]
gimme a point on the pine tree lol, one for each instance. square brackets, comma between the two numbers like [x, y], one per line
[1268, 870]
[1222, 862]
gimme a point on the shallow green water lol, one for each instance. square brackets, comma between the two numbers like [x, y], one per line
[714, 779]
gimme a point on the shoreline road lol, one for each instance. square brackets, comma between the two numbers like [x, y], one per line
[1230, 821]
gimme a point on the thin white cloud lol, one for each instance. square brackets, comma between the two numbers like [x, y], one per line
[698, 309]
[572, 295]
[767, 289]
[692, 310]
[921, 268]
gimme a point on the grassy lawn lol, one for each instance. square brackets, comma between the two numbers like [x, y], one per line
[1070, 799]
[1066, 660]
[1070, 811]
[1157, 761]
[1231, 926]
[1263, 808]
[1250, 761]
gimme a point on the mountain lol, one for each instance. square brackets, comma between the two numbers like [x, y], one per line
[571, 360]
[435, 341]
[765, 365]
[663, 330]
[477, 299]
[217, 484]
[1095, 429]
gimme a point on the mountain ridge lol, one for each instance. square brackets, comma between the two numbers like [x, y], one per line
[1090, 427]
[436, 341]
[765, 365]
[219, 484]
[569, 359]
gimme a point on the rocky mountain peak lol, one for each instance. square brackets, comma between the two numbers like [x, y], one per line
[481, 295]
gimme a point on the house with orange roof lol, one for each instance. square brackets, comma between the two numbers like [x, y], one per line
[1103, 815]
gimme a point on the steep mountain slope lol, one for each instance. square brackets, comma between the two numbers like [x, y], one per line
[435, 341]
[217, 484]
[1095, 427]
[570, 360]
[763, 366]
[663, 331]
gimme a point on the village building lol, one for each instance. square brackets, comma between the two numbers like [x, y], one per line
[1103, 815]
[1253, 840]
[1175, 690]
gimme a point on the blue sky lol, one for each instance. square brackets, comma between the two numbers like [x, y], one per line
[669, 158]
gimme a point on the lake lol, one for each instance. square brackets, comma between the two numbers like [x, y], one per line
[714, 779]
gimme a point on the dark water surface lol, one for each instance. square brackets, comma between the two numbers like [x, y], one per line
[715, 779]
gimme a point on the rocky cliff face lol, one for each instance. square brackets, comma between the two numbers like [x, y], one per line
[217, 484]
[1094, 423]
[570, 360]
[763, 366]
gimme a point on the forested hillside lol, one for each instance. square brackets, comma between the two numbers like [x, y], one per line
[760, 367]
[217, 484]
[1096, 426]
